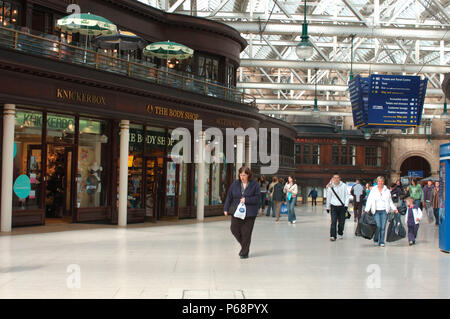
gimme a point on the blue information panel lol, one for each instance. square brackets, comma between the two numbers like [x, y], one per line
[356, 99]
[387, 101]
[415, 173]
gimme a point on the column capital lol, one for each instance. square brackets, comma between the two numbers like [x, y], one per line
[9, 109]
[124, 124]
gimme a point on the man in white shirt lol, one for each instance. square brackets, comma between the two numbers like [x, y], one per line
[337, 205]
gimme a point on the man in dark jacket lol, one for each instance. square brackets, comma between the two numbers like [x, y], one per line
[278, 198]
[313, 194]
[244, 190]
[428, 195]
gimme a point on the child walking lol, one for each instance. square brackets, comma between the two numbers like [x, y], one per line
[412, 219]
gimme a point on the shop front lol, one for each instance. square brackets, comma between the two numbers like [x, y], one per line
[67, 159]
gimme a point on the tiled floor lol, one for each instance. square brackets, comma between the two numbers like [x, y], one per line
[200, 260]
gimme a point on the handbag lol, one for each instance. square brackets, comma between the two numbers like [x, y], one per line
[289, 196]
[347, 213]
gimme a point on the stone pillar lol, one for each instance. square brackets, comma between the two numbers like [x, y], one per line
[201, 177]
[123, 171]
[7, 166]
[240, 153]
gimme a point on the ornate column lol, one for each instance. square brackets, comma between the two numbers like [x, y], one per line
[240, 153]
[123, 171]
[7, 166]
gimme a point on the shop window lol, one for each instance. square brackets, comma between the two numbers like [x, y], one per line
[9, 14]
[28, 157]
[343, 155]
[306, 154]
[135, 162]
[373, 156]
[92, 163]
[316, 155]
[155, 141]
[60, 128]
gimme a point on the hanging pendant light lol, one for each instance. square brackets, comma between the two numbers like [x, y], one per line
[444, 114]
[304, 49]
[367, 134]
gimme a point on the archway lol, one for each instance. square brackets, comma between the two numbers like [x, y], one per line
[415, 163]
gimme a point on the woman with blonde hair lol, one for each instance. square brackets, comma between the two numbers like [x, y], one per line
[379, 203]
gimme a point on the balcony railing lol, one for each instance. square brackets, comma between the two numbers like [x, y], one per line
[41, 46]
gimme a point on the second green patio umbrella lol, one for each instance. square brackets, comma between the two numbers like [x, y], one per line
[168, 50]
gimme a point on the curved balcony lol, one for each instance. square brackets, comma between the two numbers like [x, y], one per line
[47, 47]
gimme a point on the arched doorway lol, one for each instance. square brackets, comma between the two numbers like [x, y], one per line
[415, 163]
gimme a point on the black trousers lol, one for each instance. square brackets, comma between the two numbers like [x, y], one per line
[337, 217]
[242, 229]
[314, 201]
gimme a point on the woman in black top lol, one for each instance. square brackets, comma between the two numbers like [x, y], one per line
[243, 190]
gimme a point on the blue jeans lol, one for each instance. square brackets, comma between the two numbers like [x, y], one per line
[270, 207]
[380, 233]
[291, 209]
[262, 203]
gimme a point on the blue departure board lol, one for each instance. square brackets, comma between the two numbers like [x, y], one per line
[387, 101]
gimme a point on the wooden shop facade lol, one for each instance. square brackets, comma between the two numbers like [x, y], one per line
[69, 106]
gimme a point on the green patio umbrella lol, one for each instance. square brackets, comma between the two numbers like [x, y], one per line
[168, 50]
[87, 24]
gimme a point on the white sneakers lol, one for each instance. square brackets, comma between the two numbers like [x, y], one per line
[341, 236]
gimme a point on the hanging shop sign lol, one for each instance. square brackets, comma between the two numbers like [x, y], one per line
[387, 101]
[22, 186]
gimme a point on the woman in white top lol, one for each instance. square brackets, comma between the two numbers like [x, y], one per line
[291, 188]
[379, 203]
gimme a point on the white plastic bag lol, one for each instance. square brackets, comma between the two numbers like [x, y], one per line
[240, 211]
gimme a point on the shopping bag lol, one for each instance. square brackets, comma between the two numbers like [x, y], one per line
[396, 230]
[430, 213]
[284, 209]
[367, 225]
[240, 211]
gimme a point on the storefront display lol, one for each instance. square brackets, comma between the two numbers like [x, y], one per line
[91, 162]
[27, 158]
